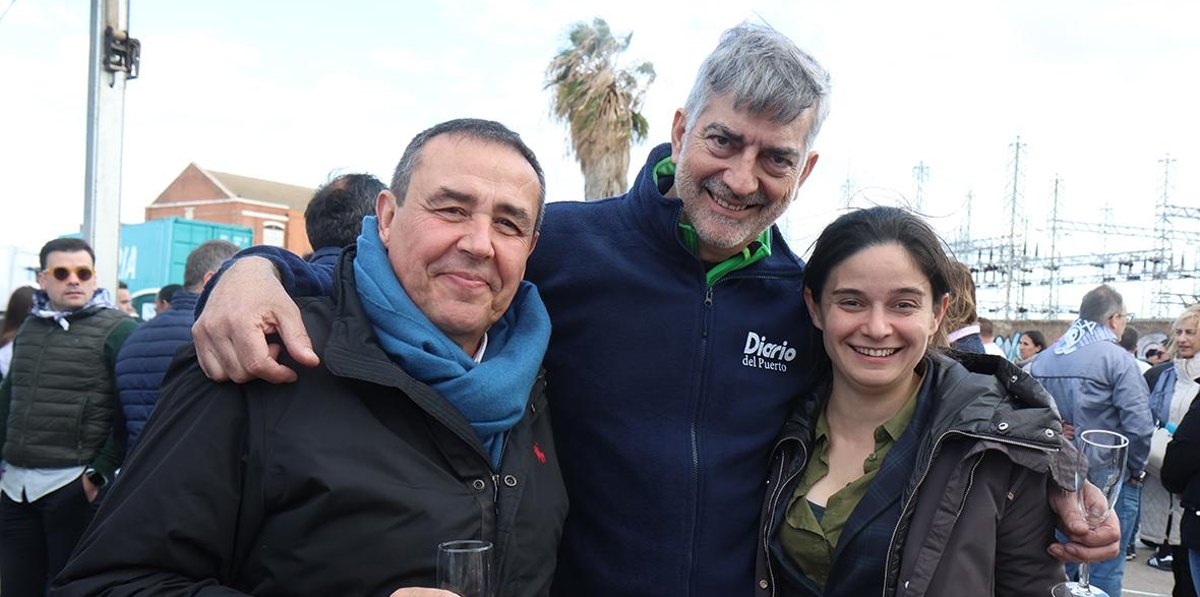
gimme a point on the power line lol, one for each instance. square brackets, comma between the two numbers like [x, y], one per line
[6, 9]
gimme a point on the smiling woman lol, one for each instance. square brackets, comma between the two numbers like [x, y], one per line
[903, 458]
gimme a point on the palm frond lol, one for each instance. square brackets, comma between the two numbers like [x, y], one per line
[600, 103]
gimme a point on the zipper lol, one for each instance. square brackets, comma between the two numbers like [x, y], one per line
[904, 511]
[773, 503]
[970, 483]
[496, 476]
[705, 371]
[693, 432]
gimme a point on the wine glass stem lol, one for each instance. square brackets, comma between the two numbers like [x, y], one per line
[1083, 576]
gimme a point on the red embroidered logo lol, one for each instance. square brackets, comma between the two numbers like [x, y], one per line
[538, 453]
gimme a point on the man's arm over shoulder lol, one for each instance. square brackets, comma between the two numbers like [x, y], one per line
[248, 305]
[297, 276]
[169, 523]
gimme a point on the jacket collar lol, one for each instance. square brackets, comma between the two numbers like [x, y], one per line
[352, 351]
[657, 217]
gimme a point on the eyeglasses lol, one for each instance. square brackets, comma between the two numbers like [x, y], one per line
[1128, 316]
[83, 272]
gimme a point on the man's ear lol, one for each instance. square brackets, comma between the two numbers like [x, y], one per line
[813, 310]
[385, 211]
[678, 130]
[810, 162]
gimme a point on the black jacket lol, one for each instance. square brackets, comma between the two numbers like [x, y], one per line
[1181, 474]
[959, 503]
[342, 483]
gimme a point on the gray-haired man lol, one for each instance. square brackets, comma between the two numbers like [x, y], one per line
[678, 345]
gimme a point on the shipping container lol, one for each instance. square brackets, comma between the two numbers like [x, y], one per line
[154, 254]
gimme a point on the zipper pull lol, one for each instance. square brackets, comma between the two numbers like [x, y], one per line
[708, 297]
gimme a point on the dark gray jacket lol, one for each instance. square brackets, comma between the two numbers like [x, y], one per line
[959, 504]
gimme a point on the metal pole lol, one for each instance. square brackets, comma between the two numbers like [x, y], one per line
[105, 131]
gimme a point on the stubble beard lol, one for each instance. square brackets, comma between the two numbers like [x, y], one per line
[717, 230]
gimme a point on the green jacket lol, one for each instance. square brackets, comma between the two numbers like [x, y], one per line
[59, 399]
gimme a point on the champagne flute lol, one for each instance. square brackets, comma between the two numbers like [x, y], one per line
[1100, 463]
[465, 568]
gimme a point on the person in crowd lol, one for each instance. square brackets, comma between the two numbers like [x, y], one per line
[987, 334]
[660, 400]
[334, 215]
[1155, 354]
[1181, 475]
[898, 436]
[426, 421]
[162, 301]
[61, 437]
[1097, 386]
[20, 302]
[1174, 386]
[1032, 342]
[148, 351]
[961, 321]
[1129, 341]
[125, 300]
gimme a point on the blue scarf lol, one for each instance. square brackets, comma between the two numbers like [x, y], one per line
[491, 395]
[1080, 334]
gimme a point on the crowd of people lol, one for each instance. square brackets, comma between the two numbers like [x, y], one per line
[647, 395]
[1144, 392]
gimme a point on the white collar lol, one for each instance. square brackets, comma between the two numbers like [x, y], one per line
[478, 356]
[965, 331]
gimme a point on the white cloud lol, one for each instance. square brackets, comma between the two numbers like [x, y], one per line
[1099, 91]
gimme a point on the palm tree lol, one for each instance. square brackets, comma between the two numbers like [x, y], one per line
[600, 102]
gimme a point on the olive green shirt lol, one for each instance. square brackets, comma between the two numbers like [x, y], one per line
[811, 543]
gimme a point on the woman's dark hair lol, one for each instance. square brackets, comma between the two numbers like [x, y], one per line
[872, 227]
[1038, 339]
[19, 305]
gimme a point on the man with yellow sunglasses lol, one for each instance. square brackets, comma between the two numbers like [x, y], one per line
[57, 410]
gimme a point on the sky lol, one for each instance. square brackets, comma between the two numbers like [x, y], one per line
[1097, 91]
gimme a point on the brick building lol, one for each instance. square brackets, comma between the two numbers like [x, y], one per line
[273, 210]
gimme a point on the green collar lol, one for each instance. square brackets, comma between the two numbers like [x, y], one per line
[755, 251]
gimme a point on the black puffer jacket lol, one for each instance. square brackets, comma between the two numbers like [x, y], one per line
[63, 389]
[342, 483]
[1181, 474]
